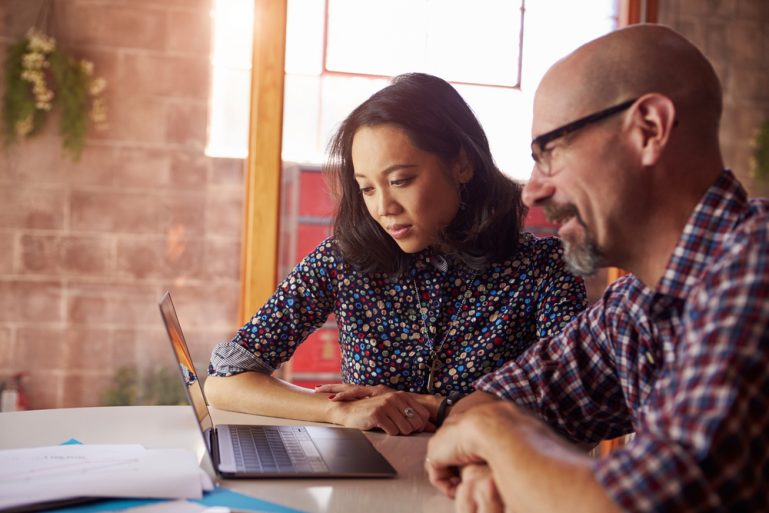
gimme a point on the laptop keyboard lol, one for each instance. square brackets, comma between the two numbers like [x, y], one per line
[275, 449]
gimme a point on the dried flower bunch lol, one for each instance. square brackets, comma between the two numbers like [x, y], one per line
[39, 77]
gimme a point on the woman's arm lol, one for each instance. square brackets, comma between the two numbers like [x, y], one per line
[348, 392]
[396, 413]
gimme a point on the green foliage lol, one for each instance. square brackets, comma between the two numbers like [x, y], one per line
[761, 153]
[39, 76]
[72, 87]
[158, 386]
[18, 100]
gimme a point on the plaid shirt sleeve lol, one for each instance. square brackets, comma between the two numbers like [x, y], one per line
[568, 380]
[703, 437]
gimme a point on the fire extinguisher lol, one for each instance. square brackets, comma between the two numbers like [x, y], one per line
[13, 397]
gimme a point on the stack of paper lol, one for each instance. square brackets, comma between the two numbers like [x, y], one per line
[50, 473]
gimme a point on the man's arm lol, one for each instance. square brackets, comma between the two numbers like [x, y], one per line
[533, 468]
[475, 399]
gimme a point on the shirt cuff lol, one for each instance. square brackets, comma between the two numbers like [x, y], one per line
[230, 358]
[490, 384]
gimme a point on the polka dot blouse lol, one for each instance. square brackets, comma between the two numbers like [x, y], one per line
[439, 316]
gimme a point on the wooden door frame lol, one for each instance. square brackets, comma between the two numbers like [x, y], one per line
[261, 208]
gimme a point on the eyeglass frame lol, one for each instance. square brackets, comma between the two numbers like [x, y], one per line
[541, 140]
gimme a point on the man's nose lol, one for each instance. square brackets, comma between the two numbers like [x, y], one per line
[537, 189]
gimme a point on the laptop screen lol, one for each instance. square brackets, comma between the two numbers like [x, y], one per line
[189, 377]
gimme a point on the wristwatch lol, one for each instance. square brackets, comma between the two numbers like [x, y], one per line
[449, 400]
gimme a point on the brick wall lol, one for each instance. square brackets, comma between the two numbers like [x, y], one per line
[87, 248]
[734, 35]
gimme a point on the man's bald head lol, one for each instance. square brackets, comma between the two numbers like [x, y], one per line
[631, 62]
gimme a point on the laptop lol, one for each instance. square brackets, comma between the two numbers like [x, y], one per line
[256, 451]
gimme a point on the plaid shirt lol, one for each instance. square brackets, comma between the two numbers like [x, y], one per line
[685, 366]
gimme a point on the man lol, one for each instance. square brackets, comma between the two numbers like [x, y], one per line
[676, 352]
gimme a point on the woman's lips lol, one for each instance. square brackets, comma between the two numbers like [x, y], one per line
[399, 231]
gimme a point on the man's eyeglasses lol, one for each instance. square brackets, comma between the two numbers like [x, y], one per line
[543, 157]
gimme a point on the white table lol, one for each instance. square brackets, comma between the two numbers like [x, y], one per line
[174, 426]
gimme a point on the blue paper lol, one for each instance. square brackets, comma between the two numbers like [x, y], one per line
[218, 497]
[234, 500]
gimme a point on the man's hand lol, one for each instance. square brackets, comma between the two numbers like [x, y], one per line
[530, 465]
[451, 448]
[477, 492]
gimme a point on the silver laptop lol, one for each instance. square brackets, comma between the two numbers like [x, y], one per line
[272, 451]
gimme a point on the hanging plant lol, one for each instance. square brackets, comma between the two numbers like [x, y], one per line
[39, 77]
[761, 153]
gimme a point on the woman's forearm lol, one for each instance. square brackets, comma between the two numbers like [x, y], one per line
[261, 394]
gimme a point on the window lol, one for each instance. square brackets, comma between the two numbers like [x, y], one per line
[230, 78]
[339, 52]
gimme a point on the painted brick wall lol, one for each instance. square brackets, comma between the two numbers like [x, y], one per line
[734, 35]
[87, 248]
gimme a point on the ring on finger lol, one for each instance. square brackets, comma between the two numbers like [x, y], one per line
[408, 412]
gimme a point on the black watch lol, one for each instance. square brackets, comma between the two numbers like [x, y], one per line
[449, 400]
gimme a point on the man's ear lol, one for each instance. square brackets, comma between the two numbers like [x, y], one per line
[655, 116]
[463, 171]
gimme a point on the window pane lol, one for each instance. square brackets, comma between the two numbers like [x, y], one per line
[233, 29]
[228, 113]
[442, 37]
[505, 115]
[376, 38]
[301, 119]
[230, 78]
[304, 37]
[340, 96]
[476, 42]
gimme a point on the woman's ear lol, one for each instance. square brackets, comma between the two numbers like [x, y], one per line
[655, 116]
[463, 171]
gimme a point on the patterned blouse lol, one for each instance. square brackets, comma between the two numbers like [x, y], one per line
[440, 315]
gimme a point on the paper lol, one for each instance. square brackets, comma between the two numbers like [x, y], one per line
[48, 473]
[218, 497]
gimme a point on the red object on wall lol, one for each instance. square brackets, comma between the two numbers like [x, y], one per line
[319, 353]
[309, 236]
[307, 220]
[536, 222]
[314, 196]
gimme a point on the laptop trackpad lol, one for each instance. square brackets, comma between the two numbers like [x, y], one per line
[349, 452]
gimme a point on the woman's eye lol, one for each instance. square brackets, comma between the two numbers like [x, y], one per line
[401, 182]
[366, 191]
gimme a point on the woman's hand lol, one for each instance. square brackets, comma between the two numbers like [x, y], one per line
[371, 407]
[350, 392]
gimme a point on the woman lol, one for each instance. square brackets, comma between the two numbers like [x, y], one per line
[428, 275]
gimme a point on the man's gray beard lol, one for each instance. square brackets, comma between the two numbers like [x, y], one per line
[582, 259]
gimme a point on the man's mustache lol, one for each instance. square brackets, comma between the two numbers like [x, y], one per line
[556, 212]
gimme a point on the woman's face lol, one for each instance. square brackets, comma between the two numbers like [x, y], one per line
[409, 192]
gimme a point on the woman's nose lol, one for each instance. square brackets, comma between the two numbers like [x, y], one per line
[385, 204]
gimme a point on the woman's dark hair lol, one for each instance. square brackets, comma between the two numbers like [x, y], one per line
[437, 120]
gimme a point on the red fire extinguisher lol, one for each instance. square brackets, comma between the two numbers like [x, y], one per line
[13, 397]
